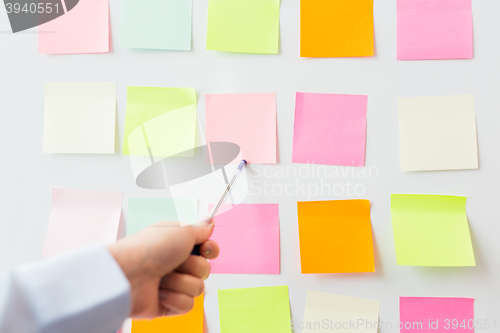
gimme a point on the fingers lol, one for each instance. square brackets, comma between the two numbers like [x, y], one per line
[202, 230]
[174, 302]
[195, 265]
[183, 283]
[209, 249]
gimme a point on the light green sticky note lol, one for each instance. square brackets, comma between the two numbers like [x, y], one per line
[156, 24]
[431, 230]
[142, 212]
[246, 26]
[161, 119]
[249, 310]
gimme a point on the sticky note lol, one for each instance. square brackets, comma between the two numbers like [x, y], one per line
[434, 29]
[436, 314]
[156, 24]
[159, 121]
[79, 118]
[243, 26]
[191, 322]
[330, 129]
[246, 226]
[80, 218]
[336, 313]
[335, 236]
[431, 230]
[248, 120]
[438, 133]
[83, 29]
[249, 310]
[336, 28]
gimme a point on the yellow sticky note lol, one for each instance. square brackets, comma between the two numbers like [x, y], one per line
[191, 322]
[335, 236]
[336, 28]
[431, 230]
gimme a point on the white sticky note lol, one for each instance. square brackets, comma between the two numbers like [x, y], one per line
[438, 133]
[327, 312]
[79, 118]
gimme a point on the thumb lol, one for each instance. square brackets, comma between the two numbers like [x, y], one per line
[202, 231]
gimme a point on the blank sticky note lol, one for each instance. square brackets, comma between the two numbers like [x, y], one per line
[336, 28]
[159, 121]
[434, 29]
[250, 310]
[248, 120]
[143, 212]
[244, 227]
[243, 26]
[436, 314]
[83, 29]
[337, 313]
[79, 118]
[431, 230]
[191, 322]
[335, 236]
[438, 133]
[330, 129]
[156, 24]
[80, 218]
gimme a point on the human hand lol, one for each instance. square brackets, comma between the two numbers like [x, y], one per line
[164, 277]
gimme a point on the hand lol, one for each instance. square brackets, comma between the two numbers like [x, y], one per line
[164, 277]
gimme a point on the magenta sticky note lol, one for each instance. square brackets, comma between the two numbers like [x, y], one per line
[436, 314]
[83, 29]
[434, 29]
[330, 129]
[249, 239]
[80, 218]
[248, 120]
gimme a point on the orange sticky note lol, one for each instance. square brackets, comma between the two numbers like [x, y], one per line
[335, 236]
[336, 28]
[191, 322]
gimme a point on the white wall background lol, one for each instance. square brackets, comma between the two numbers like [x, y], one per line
[27, 175]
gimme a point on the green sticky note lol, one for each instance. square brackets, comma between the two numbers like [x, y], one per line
[156, 24]
[431, 230]
[142, 212]
[246, 26]
[249, 310]
[160, 120]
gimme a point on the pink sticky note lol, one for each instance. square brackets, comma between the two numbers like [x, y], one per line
[80, 218]
[83, 29]
[249, 239]
[248, 120]
[434, 29]
[330, 129]
[436, 314]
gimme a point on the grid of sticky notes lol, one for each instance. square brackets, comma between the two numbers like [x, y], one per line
[83, 28]
[335, 236]
[243, 26]
[434, 29]
[245, 227]
[332, 311]
[157, 24]
[336, 28]
[248, 120]
[431, 230]
[79, 118]
[80, 218]
[330, 129]
[438, 133]
[159, 121]
[436, 314]
[191, 322]
[250, 310]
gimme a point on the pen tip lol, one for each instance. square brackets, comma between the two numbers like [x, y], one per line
[244, 161]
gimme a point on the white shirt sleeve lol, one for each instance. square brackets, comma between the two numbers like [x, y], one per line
[79, 292]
